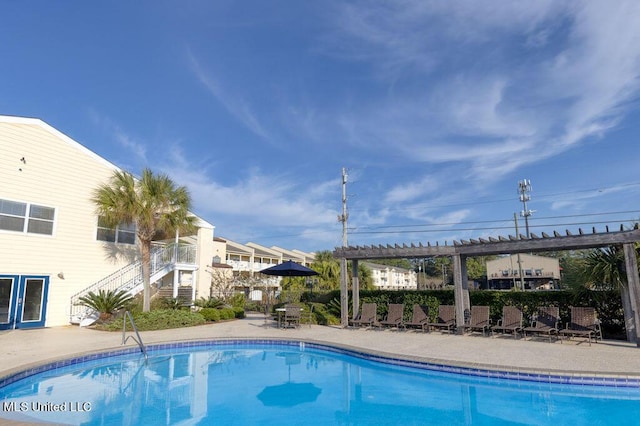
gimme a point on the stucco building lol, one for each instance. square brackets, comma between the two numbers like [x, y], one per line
[387, 277]
[536, 272]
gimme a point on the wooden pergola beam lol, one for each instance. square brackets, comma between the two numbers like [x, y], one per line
[462, 249]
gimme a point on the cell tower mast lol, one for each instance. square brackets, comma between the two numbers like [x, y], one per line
[524, 188]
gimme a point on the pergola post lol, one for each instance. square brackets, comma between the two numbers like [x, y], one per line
[633, 281]
[460, 289]
[355, 287]
[344, 293]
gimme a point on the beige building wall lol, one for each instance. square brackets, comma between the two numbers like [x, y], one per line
[59, 173]
[538, 266]
[205, 255]
[40, 165]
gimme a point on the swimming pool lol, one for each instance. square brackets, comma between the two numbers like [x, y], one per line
[287, 382]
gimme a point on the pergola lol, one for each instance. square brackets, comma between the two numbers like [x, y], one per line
[462, 249]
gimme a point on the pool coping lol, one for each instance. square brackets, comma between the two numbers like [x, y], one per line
[426, 363]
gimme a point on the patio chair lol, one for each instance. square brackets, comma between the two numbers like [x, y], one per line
[511, 321]
[394, 317]
[479, 320]
[544, 322]
[419, 318]
[292, 314]
[584, 323]
[368, 316]
[446, 319]
[307, 317]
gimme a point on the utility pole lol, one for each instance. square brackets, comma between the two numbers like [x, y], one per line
[515, 218]
[524, 187]
[344, 279]
[344, 216]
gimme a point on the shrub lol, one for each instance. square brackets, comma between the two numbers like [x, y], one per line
[211, 302]
[175, 303]
[159, 319]
[237, 300]
[238, 312]
[107, 302]
[210, 314]
[253, 306]
[227, 313]
[607, 303]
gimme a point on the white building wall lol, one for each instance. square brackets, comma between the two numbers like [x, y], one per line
[386, 277]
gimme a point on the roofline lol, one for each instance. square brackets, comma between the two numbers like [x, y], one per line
[45, 126]
[12, 119]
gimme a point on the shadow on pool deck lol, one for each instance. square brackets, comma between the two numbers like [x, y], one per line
[23, 348]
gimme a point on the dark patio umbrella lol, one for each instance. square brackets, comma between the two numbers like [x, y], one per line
[289, 269]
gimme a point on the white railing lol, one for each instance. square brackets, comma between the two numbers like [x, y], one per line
[129, 278]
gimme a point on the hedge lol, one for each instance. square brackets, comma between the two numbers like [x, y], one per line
[608, 304]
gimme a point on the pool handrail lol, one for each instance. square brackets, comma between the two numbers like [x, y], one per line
[138, 340]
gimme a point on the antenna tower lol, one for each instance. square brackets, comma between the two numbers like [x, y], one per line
[524, 188]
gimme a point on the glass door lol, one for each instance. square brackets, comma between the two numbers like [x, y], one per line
[23, 301]
[8, 289]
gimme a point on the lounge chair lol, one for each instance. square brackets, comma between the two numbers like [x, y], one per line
[395, 316]
[419, 318]
[446, 319]
[292, 314]
[544, 322]
[368, 316]
[511, 321]
[584, 323]
[479, 320]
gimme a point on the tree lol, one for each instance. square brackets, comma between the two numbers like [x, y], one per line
[365, 277]
[604, 270]
[328, 269]
[477, 267]
[222, 283]
[154, 204]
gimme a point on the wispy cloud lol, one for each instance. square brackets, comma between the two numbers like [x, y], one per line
[262, 203]
[579, 71]
[132, 144]
[238, 106]
[411, 190]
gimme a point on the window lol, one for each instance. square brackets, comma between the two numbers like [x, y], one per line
[13, 217]
[123, 233]
[40, 220]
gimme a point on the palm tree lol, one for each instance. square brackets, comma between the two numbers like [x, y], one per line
[604, 269]
[153, 204]
[106, 302]
[328, 269]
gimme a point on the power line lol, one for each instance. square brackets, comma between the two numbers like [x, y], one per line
[500, 200]
[416, 231]
[540, 218]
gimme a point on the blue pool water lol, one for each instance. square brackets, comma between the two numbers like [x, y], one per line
[291, 383]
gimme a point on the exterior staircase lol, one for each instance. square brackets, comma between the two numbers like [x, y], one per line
[164, 259]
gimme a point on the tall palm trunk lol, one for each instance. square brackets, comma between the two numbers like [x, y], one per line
[145, 249]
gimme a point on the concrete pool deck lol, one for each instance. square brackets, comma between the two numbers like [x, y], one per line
[21, 349]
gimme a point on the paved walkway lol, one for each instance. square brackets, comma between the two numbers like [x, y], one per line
[20, 349]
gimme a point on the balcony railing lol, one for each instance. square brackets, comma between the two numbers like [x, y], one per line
[164, 257]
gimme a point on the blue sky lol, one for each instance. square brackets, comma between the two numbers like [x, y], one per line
[436, 109]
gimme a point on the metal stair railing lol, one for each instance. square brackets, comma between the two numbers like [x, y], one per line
[130, 276]
[136, 338]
